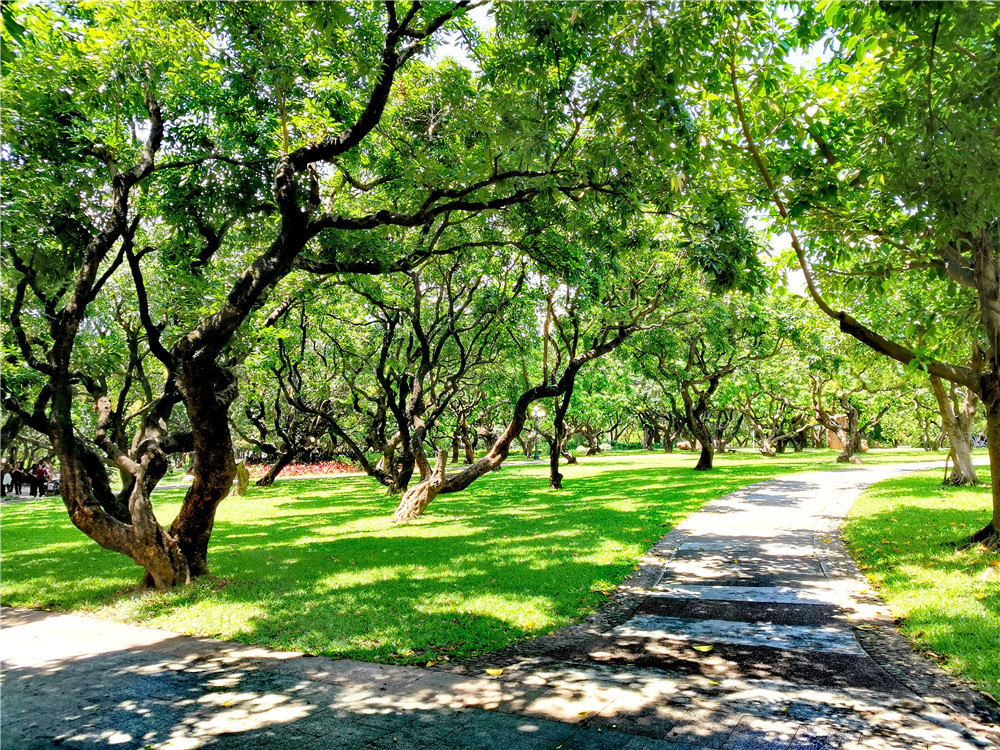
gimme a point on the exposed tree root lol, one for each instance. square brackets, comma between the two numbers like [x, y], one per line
[954, 481]
[988, 536]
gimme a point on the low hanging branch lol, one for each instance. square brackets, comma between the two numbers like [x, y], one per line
[416, 499]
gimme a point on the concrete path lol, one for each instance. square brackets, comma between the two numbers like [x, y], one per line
[758, 576]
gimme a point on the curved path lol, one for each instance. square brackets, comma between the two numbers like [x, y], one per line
[802, 655]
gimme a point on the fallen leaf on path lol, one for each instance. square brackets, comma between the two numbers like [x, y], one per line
[582, 713]
[431, 663]
[702, 648]
[494, 672]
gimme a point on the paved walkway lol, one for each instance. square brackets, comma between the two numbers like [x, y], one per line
[759, 576]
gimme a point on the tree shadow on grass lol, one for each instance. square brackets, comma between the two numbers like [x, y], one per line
[316, 565]
[904, 537]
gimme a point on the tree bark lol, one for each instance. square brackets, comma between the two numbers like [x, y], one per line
[649, 436]
[958, 426]
[990, 394]
[559, 427]
[848, 434]
[705, 460]
[416, 499]
[501, 447]
[278, 466]
[208, 391]
[696, 422]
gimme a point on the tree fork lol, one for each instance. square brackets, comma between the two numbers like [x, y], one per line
[959, 431]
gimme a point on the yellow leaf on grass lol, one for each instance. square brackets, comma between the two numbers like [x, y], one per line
[980, 596]
[702, 648]
[494, 672]
[431, 663]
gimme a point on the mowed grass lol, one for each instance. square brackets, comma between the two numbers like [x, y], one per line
[902, 534]
[316, 565]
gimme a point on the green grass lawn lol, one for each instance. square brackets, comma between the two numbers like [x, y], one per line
[316, 565]
[901, 533]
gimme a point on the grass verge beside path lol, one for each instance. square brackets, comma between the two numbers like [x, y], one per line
[900, 531]
[316, 565]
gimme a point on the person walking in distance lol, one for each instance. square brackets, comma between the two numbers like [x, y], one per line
[32, 480]
[40, 479]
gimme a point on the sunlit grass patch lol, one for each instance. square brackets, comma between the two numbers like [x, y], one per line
[317, 565]
[902, 533]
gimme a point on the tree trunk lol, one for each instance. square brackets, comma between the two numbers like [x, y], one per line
[412, 506]
[208, 392]
[990, 395]
[818, 436]
[416, 499]
[707, 456]
[649, 436]
[766, 446]
[800, 441]
[278, 466]
[561, 436]
[242, 479]
[848, 434]
[525, 446]
[695, 414]
[958, 426]
[403, 474]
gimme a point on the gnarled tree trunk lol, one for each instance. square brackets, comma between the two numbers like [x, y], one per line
[848, 433]
[208, 392]
[958, 425]
[990, 395]
[696, 422]
[559, 427]
[650, 435]
[416, 499]
[284, 459]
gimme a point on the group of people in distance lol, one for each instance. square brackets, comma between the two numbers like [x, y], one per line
[16, 478]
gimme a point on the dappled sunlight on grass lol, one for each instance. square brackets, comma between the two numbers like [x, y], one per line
[317, 564]
[903, 533]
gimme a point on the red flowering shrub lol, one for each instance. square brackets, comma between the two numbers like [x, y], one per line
[320, 469]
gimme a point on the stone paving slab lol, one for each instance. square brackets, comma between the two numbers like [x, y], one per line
[827, 638]
[812, 591]
[761, 612]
